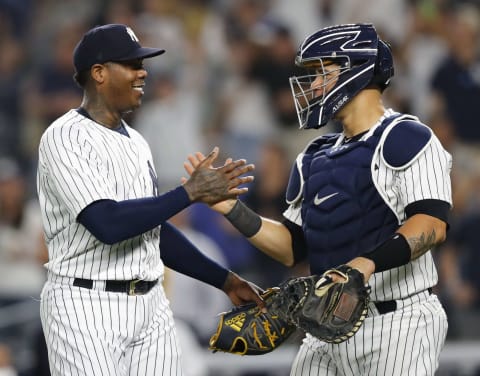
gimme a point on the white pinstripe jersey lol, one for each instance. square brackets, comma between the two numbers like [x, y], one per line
[80, 162]
[425, 177]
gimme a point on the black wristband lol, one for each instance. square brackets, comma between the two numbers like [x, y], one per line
[244, 219]
[391, 254]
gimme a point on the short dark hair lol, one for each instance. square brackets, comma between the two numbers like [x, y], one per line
[81, 78]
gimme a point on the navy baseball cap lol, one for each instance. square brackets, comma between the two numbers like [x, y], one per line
[112, 42]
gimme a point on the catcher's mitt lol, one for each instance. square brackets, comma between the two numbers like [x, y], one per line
[330, 311]
[245, 330]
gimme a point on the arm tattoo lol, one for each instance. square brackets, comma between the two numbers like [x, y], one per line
[421, 244]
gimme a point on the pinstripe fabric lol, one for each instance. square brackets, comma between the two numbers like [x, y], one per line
[405, 342]
[93, 332]
[80, 162]
[409, 340]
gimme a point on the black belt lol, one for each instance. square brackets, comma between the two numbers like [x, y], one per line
[134, 287]
[390, 305]
[386, 307]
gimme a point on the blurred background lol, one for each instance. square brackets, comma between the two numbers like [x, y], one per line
[224, 81]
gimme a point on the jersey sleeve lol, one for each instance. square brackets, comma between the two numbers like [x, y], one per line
[73, 168]
[427, 177]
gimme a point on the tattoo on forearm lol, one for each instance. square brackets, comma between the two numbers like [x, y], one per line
[421, 244]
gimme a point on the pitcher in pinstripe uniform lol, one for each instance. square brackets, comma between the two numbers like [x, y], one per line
[375, 196]
[103, 308]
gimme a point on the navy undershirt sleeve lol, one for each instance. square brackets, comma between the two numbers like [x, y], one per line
[432, 207]
[179, 254]
[299, 245]
[111, 221]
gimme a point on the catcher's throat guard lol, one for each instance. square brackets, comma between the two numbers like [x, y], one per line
[245, 330]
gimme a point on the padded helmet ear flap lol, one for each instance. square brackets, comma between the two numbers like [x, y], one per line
[383, 65]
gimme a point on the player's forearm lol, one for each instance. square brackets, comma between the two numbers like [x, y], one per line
[181, 255]
[274, 240]
[271, 237]
[414, 238]
[423, 232]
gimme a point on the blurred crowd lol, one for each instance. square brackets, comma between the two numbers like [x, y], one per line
[224, 81]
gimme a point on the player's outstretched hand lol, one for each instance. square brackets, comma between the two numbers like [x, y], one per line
[242, 292]
[212, 185]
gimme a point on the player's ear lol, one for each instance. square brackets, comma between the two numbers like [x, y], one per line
[98, 72]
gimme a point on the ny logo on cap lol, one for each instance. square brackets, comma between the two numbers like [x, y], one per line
[132, 34]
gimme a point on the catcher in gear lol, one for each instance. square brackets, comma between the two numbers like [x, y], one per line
[374, 196]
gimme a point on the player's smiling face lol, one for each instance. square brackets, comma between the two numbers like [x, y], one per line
[125, 84]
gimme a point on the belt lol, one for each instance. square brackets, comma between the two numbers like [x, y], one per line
[391, 305]
[134, 287]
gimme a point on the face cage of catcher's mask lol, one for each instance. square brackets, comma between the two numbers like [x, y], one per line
[304, 95]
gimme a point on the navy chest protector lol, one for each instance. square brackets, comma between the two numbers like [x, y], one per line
[343, 215]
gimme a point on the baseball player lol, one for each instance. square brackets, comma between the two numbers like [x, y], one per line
[375, 196]
[103, 308]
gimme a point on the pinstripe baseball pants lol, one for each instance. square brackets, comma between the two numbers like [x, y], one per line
[93, 332]
[407, 341]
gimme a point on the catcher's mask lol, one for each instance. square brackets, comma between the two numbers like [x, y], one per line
[362, 59]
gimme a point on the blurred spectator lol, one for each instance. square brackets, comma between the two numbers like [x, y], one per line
[466, 238]
[465, 172]
[456, 92]
[57, 91]
[159, 23]
[266, 196]
[52, 90]
[172, 114]
[188, 297]
[22, 247]
[244, 115]
[12, 70]
[244, 17]
[274, 66]
[459, 284]
[16, 13]
[302, 17]
[185, 293]
[390, 16]
[22, 254]
[6, 362]
[236, 250]
[418, 56]
[193, 353]
[40, 366]
[459, 288]
[192, 33]
[117, 11]
[456, 83]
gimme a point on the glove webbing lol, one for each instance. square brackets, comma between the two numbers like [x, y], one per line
[267, 328]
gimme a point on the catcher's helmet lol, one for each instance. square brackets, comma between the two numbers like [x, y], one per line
[363, 60]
